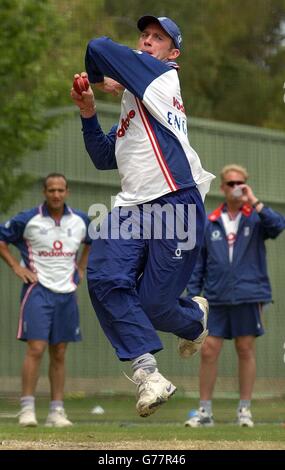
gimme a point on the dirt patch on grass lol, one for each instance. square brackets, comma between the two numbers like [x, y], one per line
[139, 445]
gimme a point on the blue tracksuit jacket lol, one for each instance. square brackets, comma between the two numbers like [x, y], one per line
[245, 280]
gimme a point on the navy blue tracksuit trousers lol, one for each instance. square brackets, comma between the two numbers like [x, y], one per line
[135, 284]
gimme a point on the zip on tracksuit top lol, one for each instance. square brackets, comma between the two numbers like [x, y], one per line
[245, 279]
[149, 146]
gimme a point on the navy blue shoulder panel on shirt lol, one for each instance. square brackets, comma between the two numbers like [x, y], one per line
[12, 231]
[135, 70]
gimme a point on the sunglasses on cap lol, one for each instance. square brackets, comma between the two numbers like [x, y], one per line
[231, 184]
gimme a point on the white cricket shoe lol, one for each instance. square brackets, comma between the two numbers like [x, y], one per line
[58, 419]
[245, 418]
[199, 418]
[27, 417]
[187, 347]
[152, 391]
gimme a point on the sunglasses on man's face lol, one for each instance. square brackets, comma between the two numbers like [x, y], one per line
[231, 184]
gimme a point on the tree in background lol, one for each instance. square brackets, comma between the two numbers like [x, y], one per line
[233, 58]
[42, 45]
[29, 34]
[83, 20]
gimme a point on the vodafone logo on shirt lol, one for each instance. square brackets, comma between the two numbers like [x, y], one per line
[125, 122]
[57, 250]
[57, 244]
[178, 105]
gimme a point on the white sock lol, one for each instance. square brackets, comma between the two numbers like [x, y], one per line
[27, 401]
[146, 362]
[207, 405]
[54, 404]
[244, 404]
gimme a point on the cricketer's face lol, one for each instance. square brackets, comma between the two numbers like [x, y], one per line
[156, 42]
[55, 193]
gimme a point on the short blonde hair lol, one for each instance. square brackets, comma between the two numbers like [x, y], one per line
[233, 167]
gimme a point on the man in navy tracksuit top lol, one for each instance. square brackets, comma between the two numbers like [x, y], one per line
[231, 271]
[135, 282]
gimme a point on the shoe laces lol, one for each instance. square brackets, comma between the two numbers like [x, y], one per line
[26, 409]
[59, 411]
[204, 306]
[129, 378]
[143, 379]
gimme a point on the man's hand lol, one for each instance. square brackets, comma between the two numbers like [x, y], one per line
[247, 194]
[110, 86]
[85, 101]
[25, 274]
[249, 197]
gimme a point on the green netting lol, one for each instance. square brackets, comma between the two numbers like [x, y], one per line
[92, 365]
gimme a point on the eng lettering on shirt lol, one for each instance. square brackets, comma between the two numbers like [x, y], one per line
[178, 122]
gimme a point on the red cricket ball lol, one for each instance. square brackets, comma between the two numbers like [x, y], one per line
[80, 84]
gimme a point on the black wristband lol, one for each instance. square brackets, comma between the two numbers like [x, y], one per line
[256, 203]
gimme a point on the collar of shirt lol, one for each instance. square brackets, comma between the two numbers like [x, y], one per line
[45, 212]
[246, 210]
[172, 64]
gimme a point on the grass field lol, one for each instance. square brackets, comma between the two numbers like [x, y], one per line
[121, 428]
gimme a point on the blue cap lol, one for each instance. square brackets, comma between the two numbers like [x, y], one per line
[166, 23]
